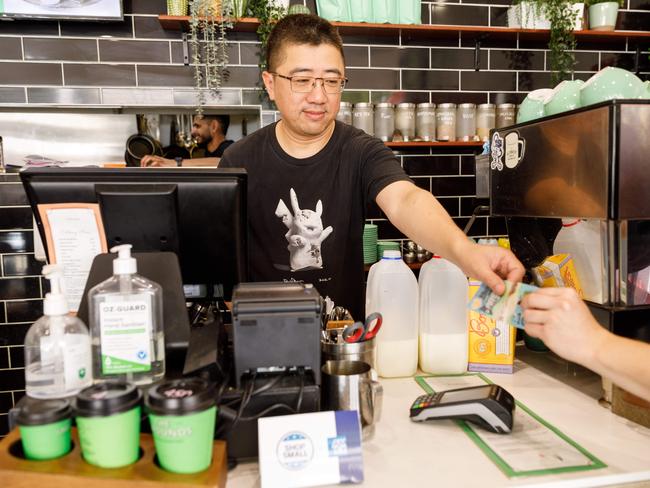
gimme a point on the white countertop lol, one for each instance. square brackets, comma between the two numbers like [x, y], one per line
[439, 454]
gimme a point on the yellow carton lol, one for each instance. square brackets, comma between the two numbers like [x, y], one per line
[491, 345]
[557, 270]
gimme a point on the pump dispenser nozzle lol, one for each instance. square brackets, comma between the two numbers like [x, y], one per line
[124, 263]
[55, 302]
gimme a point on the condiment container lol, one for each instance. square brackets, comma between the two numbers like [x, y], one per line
[446, 122]
[425, 121]
[384, 121]
[363, 117]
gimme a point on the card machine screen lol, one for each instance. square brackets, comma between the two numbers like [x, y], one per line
[489, 406]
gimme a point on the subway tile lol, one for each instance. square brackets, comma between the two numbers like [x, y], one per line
[24, 311]
[640, 4]
[13, 334]
[533, 81]
[445, 14]
[586, 61]
[19, 288]
[98, 29]
[68, 96]
[177, 53]
[497, 226]
[377, 79]
[354, 56]
[391, 38]
[250, 53]
[99, 74]
[425, 38]
[21, 265]
[467, 165]
[625, 60]
[150, 28]
[6, 401]
[12, 194]
[29, 28]
[469, 204]
[15, 218]
[355, 96]
[451, 205]
[48, 49]
[386, 230]
[478, 229]
[638, 21]
[258, 97]
[232, 51]
[453, 185]
[4, 364]
[499, 17]
[500, 3]
[130, 96]
[431, 165]
[224, 97]
[484, 80]
[16, 241]
[234, 36]
[425, 15]
[468, 39]
[12, 95]
[12, 379]
[10, 48]
[397, 57]
[4, 425]
[10, 177]
[17, 356]
[116, 50]
[615, 44]
[3, 315]
[516, 60]
[429, 80]
[458, 97]
[498, 98]
[399, 97]
[456, 58]
[30, 74]
[374, 212]
[145, 6]
[422, 182]
[243, 76]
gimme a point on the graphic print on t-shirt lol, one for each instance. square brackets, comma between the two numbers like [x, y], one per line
[305, 234]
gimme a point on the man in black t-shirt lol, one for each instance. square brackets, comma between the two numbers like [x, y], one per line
[311, 178]
[209, 132]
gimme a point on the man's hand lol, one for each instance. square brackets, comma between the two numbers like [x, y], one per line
[489, 264]
[156, 161]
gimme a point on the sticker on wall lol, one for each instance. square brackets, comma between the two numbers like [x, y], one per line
[515, 149]
[496, 152]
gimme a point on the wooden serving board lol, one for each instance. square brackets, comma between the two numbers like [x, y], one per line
[71, 471]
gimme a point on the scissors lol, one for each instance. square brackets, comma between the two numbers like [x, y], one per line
[359, 332]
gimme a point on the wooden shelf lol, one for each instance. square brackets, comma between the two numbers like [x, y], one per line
[401, 145]
[248, 24]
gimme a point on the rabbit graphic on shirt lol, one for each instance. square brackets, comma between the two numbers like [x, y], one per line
[305, 234]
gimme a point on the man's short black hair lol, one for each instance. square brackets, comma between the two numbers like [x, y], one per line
[300, 29]
[224, 121]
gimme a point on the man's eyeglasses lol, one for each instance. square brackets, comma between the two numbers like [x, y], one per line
[305, 84]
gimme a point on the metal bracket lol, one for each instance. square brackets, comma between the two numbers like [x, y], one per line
[186, 50]
[477, 52]
[637, 60]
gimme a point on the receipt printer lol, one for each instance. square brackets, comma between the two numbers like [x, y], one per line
[276, 327]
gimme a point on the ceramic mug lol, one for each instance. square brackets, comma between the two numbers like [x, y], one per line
[565, 97]
[608, 84]
[533, 105]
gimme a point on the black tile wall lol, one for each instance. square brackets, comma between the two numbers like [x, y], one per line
[77, 63]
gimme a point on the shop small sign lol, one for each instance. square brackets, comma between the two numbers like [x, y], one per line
[310, 449]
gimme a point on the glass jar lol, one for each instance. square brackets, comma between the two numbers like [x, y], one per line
[466, 122]
[345, 113]
[363, 117]
[384, 121]
[505, 115]
[485, 120]
[405, 120]
[446, 122]
[425, 121]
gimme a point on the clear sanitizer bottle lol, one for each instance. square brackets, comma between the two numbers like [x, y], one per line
[126, 324]
[57, 347]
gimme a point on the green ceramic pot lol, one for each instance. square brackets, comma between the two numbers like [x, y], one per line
[608, 84]
[602, 16]
[533, 105]
[565, 97]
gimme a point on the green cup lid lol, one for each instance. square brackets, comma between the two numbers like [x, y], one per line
[33, 411]
[180, 397]
[106, 399]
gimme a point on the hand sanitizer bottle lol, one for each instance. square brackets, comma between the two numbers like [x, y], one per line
[126, 325]
[57, 347]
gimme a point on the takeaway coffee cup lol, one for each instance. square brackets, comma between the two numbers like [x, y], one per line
[348, 385]
[108, 420]
[182, 414]
[44, 428]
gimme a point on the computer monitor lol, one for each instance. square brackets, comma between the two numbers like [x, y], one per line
[199, 214]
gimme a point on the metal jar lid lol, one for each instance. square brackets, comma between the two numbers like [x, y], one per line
[42, 412]
[345, 105]
[363, 105]
[467, 105]
[486, 106]
[426, 105]
[105, 399]
[405, 105]
[506, 105]
[384, 105]
[447, 105]
[181, 397]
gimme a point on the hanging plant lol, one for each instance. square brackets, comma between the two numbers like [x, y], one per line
[209, 21]
[562, 42]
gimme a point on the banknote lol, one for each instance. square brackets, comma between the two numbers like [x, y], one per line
[503, 308]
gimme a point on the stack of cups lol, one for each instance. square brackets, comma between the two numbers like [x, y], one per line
[45, 428]
[108, 419]
[386, 246]
[183, 414]
[369, 243]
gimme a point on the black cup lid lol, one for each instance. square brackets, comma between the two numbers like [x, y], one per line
[106, 399]
[33, 411]
[180, 397]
